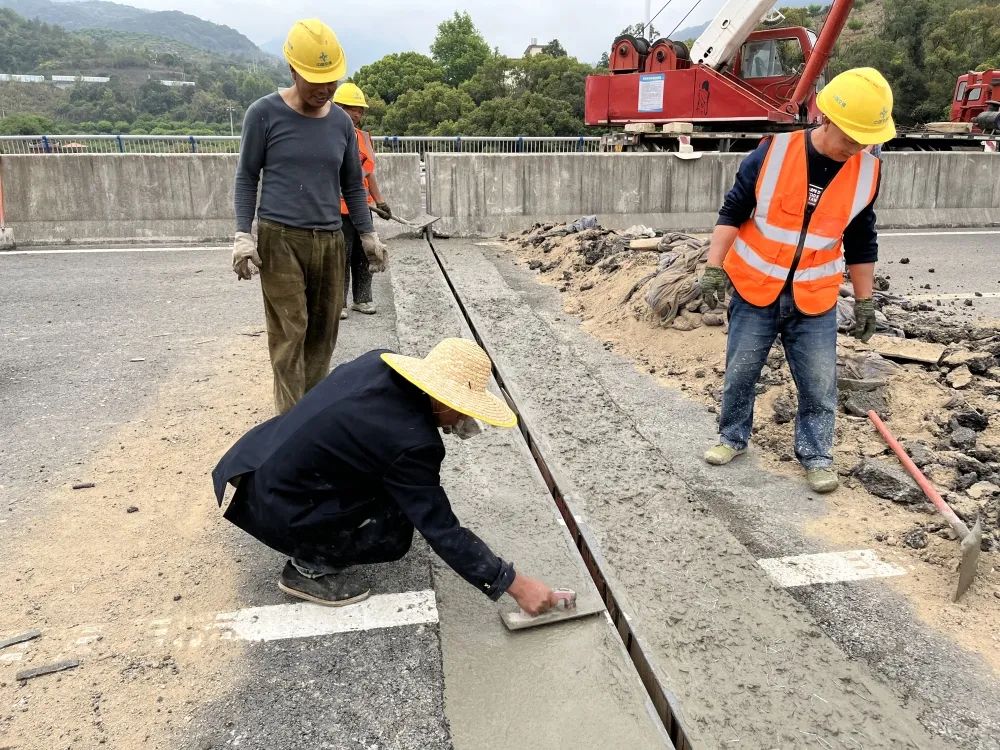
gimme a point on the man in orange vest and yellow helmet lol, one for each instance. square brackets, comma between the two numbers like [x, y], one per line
[358, 278]
[800, 212]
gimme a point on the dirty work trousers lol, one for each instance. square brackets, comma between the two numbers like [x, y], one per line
[302, 279]
[810, 343]
[357, 276]
[383, 537]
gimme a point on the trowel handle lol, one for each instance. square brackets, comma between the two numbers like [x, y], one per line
[565, 598]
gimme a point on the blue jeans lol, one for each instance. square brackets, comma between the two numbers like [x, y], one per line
[810, 343]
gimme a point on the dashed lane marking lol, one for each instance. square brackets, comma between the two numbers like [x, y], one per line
[828, 567]
[944, 233]
[87, 250]
[271, 623]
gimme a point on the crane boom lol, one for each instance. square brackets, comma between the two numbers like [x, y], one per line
[720, 42]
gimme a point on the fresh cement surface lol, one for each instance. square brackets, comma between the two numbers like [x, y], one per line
[766, 512]
[748, 664]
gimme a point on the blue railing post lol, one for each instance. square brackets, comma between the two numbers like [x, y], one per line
[581, 144]
[121, 144]
[194, 144]
[46, 146]
[520, 144]
[458, 144]
[395, 143]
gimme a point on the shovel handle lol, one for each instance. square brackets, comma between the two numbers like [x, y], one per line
[918, 476]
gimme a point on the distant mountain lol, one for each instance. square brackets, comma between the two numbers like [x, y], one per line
[170, 24]
[693, 32]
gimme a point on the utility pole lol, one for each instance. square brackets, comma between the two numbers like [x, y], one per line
[232, 131]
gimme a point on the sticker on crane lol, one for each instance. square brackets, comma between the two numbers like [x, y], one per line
[651, 92]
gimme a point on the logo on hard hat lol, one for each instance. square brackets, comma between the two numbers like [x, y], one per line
[324, 60]
[837, 98]
[883, 116]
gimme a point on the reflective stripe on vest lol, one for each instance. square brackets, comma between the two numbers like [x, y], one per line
[367, 168]
[762, 256]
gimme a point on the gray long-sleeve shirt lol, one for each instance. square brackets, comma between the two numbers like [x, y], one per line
[306, 163]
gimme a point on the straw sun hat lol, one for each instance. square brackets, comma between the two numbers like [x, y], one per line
[456, 373]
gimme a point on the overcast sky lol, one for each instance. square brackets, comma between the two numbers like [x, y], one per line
[372, 29]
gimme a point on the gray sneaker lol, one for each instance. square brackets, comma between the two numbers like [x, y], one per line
[366, 308]
[331, 590]
[343, 313]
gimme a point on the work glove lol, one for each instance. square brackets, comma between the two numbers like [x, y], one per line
[245, 258]
[864, 319]
[713, 286]
[383, 210]
[376, 252]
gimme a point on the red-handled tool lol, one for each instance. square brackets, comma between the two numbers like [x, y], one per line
[970, 541]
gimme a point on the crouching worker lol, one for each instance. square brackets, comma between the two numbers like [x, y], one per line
[346, 475]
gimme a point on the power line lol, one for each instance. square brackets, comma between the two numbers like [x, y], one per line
[650, 24]
[685, 18]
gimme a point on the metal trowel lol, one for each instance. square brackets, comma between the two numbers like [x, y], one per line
[568, 607]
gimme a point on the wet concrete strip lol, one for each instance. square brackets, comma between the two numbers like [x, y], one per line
[765, 511]
[747, 663]
[564, 685]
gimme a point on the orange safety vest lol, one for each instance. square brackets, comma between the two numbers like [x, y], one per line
[778, 239]
[367, 167]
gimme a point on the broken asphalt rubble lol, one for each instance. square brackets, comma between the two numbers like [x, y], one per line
[957, 444]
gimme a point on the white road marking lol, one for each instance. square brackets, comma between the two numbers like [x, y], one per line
[828, 567]
[944, 233]
[304, 620]
[956, 295]
[86, 250]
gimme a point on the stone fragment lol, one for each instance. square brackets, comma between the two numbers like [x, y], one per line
[960, 377]
[859, 403]
[784, 409]
[982, 489]
[920, 453]
[916, 539]
[979, 363]
[972, 418]
[889, 481]
[963, 438]
[713, 319]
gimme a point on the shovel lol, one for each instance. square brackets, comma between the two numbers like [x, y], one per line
[567, 608]
[420, 223]
[970, 541]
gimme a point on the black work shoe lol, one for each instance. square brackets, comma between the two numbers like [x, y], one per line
[332, 590]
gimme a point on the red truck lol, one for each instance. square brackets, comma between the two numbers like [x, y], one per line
[735, 85]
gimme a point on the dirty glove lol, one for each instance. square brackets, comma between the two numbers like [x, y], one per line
[864, 319]
[383, 210]
[245, 254]
[376, 252]
[713, 286]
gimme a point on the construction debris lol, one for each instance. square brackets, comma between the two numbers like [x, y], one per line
[59, 666]
[21, 638]
[933, 376]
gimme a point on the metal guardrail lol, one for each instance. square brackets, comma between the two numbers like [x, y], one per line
[225, 144]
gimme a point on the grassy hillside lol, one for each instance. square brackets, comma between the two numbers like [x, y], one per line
[134, 100]
[97, 14]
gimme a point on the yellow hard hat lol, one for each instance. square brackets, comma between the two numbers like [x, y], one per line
[859, 102]
[350, 95]
[312, 49]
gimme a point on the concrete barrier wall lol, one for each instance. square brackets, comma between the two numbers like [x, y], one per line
[487, 194]
[120, 198]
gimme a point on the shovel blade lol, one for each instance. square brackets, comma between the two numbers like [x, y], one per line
[585, 606]
[969, 565]
[421, 221]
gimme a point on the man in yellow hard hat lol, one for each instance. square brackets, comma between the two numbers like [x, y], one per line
[800, 212]
[304, 151]
[358, 277]
[346, 476]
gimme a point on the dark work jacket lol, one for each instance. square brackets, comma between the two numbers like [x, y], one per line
[361, 444]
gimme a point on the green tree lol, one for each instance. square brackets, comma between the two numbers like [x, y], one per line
[394, 75]
[459, 48]
[23, 124]
[525, 114]
[641, 30]
[558, 79]
[420, 112]
[491, 81]
[554, 49]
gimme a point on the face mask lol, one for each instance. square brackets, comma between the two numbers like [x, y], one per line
[465, 428]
